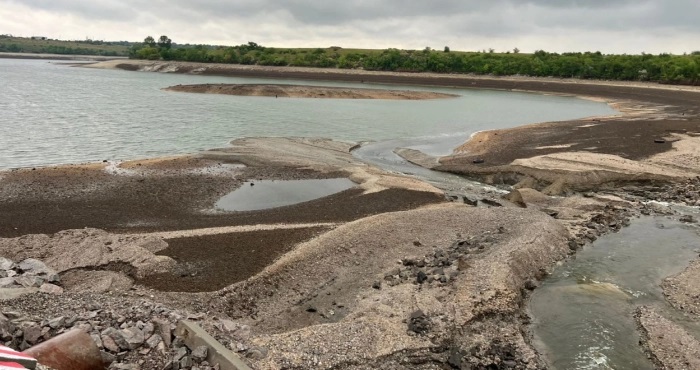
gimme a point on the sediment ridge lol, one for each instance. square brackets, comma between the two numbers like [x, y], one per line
[305, 91]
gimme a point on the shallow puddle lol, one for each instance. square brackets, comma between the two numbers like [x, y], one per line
[583, 313]
[264, 194]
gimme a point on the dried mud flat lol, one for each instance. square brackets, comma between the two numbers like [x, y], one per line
[387, 275]
[305, 91]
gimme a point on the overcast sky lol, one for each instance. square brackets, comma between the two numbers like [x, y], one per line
[609, 26]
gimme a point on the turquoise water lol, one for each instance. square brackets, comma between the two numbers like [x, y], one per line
[53, 114]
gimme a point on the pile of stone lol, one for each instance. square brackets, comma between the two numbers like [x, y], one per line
[611, 219]
[138, 338]
[29, 273]
[442, 265]
[687, 193]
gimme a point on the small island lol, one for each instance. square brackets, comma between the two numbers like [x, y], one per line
[305, 91]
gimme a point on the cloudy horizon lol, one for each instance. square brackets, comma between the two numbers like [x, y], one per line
[615, 26]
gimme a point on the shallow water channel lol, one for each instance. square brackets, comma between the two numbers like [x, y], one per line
[583, 313]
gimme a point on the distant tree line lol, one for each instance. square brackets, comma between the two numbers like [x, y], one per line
[12, 44]
[55, 49]
[663, 68]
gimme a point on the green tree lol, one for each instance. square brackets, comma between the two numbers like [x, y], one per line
[164, 42]
[149, 41]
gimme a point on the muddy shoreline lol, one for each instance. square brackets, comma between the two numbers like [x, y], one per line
[400, 275]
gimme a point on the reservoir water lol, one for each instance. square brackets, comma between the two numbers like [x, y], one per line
[51, 113]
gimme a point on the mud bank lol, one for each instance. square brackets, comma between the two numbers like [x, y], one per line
[390, 259]
[399, 279]
[311, 92]
[653, 140]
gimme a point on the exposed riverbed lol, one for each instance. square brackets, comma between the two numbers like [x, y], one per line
[322, 274]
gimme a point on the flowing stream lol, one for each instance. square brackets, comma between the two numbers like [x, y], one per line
[583, 313]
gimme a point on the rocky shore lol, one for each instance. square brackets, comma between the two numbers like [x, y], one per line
[391, 274]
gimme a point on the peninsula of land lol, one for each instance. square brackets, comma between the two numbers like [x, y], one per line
[305, 91]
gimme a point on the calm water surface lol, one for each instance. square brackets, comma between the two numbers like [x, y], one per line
[264, 194]
[51, 114]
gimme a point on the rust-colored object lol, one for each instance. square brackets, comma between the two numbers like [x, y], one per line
[74, 350]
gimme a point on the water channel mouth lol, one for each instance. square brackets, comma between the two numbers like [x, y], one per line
[583, 313]
[265, 194]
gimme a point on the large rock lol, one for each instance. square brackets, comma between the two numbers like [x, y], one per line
[162, 328]
[153, 341]
[6, 328]
[50, 288]
[8, 282]
[117, 337]
[34, 267]
[29, 281]
[88, 248]
[199, 354]
[6, 264]
[32, 333]
[133, 337]
[516, 198]
[109, 344]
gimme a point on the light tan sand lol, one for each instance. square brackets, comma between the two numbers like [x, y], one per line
[681, 162]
